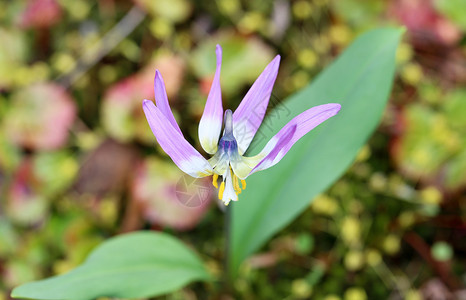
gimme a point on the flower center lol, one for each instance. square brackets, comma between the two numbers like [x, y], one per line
[227, 152]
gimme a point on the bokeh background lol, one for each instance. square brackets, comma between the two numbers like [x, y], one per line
[79, 164]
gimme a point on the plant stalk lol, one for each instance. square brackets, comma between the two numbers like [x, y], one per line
[226, 269]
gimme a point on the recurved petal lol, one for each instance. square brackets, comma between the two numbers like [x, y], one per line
[211, 121]
[161, 100]
[282, 142]
[183, 154]
[250, 113]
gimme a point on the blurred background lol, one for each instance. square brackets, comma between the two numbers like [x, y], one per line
[79, 164]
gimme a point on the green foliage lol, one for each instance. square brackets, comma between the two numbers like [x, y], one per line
[63, 192]
[171, 10]
[140, 264]
[442, 251]
[360, 80]
[243, 60]
[433, 144]
[455, 10]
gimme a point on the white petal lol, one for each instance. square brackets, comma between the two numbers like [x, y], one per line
[211, 121]
[209, 132]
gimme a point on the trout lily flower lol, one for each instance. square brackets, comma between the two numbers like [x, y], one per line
[239, 128]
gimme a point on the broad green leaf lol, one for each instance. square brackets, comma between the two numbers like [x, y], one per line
[135, 265]
[360, 80]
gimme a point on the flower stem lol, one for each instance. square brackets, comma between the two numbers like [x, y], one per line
[226, 270]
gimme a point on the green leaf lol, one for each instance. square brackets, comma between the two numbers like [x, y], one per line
[135, 265]
[360, 80]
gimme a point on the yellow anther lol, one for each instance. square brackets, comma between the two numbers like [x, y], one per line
[243, 184]
[220, 190]
[214, 180]
[236, 185]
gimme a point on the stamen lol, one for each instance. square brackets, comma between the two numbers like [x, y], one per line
[221, 190]
[214, 180]
[243, 183]
[236, 185]
[227, 188]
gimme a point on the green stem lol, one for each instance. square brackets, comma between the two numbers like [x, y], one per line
[227, 228]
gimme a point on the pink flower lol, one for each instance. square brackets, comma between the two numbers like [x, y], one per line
[239, 128]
